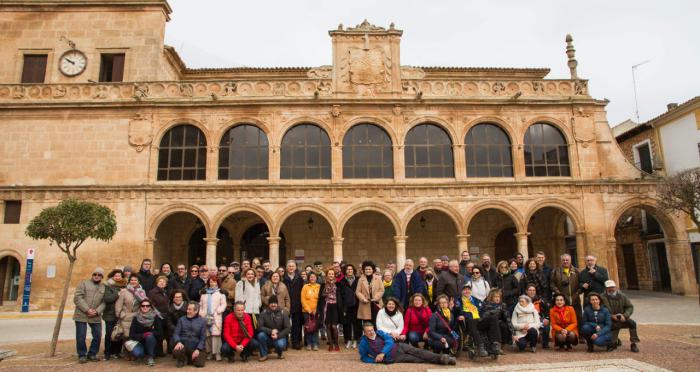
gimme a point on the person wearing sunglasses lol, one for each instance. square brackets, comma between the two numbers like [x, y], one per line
[196, 282]
[147, 330]
[179, 280]
[89, 306]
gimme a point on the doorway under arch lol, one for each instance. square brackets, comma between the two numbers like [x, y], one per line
[9, 279]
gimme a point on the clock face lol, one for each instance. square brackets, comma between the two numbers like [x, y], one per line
[72, 63]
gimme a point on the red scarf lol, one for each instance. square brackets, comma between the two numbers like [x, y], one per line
[561, 311]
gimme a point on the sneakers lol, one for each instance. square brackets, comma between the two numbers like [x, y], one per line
[93, 358]
[218, 357]
[280, 356]
[82, 360]
[262, 358]
[634, 348]
[308, 347]
[533, 349]
[348, 344]
[482, 351]
[315, 348]
[354, 344]
[151, 362]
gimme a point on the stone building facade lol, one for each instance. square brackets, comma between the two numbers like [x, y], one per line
[363, 159]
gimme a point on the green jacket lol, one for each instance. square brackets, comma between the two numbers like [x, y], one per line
[110, 297]
[89, 295]
[618, 304]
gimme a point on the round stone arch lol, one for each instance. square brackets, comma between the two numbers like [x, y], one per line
[181, 121]
[159, 216]
[564, 206]
[670, 227]
[380, 208]
[494, 120]
[445, 125]
[243, 121]
[560, 125]
[445, 208]
[242, 207]
[371, 120]
[285, 127]
[499, 205]
[285, 213]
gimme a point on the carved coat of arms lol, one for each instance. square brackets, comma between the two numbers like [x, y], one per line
[367, 66]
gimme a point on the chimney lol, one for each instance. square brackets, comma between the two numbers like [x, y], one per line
[671, 106]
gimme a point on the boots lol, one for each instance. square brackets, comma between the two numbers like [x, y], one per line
[482, 351]
[496, 348]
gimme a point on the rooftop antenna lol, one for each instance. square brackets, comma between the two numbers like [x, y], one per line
[634, 84]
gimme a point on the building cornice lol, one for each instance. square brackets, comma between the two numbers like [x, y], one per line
[82, 5]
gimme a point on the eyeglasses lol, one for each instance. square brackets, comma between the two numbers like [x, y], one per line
[96, 274]
[194, 271]
[476, 273]
[222, 271]
[145, 306]
[180, 269]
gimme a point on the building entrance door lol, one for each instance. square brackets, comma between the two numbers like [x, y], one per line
[9, 279]
[630, 266]
[660, 273]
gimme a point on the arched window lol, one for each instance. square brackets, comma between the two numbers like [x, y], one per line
[306, 153]
[182, 155]
[546, 151]
[243, 154]
[428, 152]
[488, 152]
[367, 153]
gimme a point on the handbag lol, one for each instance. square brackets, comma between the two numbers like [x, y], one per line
[117, 332]
[310, 325]
[455, 335]
[130, 345]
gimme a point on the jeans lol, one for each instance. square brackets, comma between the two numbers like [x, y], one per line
[81, 334]
[265, 342]
[312, 338]
[352, 328]
[149, 342]
[529, 338]
[588, 330]
[409, 354]
[545, 331]
[111, 347]
[185, 355]
[228, 351]
[414, 338]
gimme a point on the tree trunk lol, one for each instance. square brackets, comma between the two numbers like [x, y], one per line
[59, 317]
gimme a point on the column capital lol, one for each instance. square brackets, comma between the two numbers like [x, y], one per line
[274, 239]
[400, 238]
[521, 235]
[337, 239]
[463, 236]
[149, 241]
[211, 240]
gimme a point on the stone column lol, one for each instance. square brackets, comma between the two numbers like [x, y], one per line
[274, 244]
[462, 244]
[680, 264]
[522, 243]
[610, 253]
[336, 163]
[400, 250]
[337, 248]
[236, 248]
[211, 252]
[460, 162]
[582, 250]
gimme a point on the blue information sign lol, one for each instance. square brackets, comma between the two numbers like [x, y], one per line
[28, 280]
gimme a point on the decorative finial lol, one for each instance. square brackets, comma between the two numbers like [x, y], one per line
[571, 53]
[340, 27]
[391, 26]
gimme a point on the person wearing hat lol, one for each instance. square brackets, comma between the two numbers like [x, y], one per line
[235, 266]
[475, 320]
[89, 306]
[127, 270]
[274, 327]
[621, 310]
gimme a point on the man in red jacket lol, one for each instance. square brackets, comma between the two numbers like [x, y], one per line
[238, 334]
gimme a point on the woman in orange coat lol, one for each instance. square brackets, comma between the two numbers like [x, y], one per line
[564, 325]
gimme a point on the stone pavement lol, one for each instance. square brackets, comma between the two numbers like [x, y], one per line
[603, 365]
[664, 308]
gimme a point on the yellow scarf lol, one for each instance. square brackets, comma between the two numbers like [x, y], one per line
[468, 307]
[447, 313]
[566, 271]
[430, 291]
[388, 284]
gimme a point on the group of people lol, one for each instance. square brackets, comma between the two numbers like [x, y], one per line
[416, 314]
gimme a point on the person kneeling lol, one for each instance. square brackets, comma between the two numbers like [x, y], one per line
[621, 310]
[274, 327]
[147, 330]
[379, 347]
[189, 337]
[526, 321]
[596, 323]
[238, 334]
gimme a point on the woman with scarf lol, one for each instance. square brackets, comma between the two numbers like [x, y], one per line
[535, 276]
[430, 286]
[526, 323]
[176, 310]
[212, 305]
[328, 309]
[147, 330]
[542, 309]
[248, 292]
[275, 287]
[127, 305]
[416, 319]
[390, 319]
[442, 327]
[480, 287]
[352, 328]
[115, 283]
[508, 284]
[494, 307]
[388, 281]
[160, 301]
[564, 324]
[369, 293]
[309, 307]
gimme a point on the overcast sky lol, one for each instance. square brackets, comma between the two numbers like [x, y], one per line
[609, 37]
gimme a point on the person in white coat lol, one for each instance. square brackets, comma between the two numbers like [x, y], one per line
[390, 319]
[480, 287]
[212, 305]
[248, 292]
[526, 322]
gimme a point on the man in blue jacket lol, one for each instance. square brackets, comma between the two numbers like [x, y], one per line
[406, 283]
[379, 347]
[189, 336]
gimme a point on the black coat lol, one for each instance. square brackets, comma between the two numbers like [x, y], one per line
[537, 279]
[294, 286]
[449, 284]
[147, 280]
[490, 275]
[321, 304]
[177, 283]
[279, 320]
[174, 315]
[137, 330]
[159, 299]
[347, 292]
[510, 286]
[193, 292]
[596, 281]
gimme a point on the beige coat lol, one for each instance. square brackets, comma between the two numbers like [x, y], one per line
[125, 310]
[89, 295]
[218, 304]
[282, 295]
[364, 310]
[229, 284]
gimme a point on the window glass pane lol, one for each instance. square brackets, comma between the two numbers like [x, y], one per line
[162, 158]
[549, 147]
[298, 173]
[190, 157]
[422, 172]
[553, 171]
[366, 145]
[175, 156]
[177, 136]
[540, 171]
[421, 155]
[189, 174]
